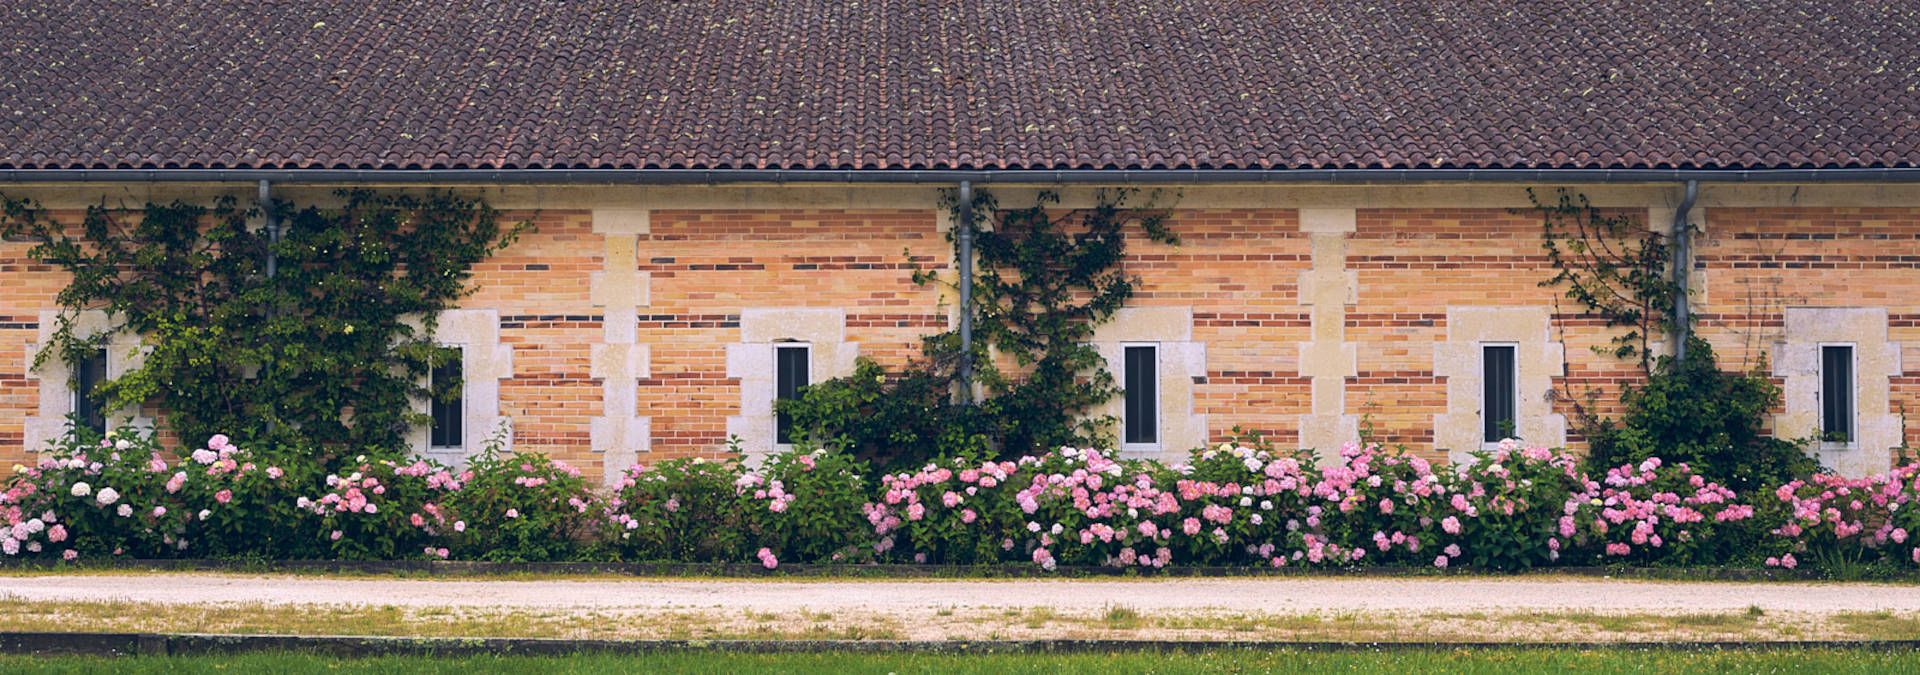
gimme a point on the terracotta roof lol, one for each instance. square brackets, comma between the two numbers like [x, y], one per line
[802, 84]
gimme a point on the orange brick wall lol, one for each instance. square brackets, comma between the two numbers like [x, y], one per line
[1756, 262]
[1238, 270]
[708, 265]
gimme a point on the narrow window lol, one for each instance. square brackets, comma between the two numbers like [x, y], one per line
[790, 365]
[449, 404]
[1141, 389]
[1497, 402]
[88, 408]
[1836, 393]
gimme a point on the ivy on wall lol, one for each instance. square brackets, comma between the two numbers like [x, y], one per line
[328, 351]
[1045, 278]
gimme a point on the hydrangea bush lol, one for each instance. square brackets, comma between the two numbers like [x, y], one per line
[1849, 520]
[385, 510]
[1245, 504]
[682, 509]
[521, 508]
[1652, 513]
[804, 505]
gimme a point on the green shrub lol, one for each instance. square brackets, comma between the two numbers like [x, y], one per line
[1518, 497]
[522, 508]
[890, 424]
[958, 510]
[239, 504]
[383, 510]
[806, 505]
[1691, 412]
[683, 510]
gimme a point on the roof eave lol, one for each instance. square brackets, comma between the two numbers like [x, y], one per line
[947, 176]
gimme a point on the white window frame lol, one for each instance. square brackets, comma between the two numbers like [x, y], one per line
[1481, 357]
[1159, 429]
[1820, 397]
[465, 420]
[805, 347]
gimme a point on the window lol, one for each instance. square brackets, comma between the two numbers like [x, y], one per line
[1499, 396]
[1140, 386]
[1836, 393]
[790, 365]
[449, 403]
[89, 410]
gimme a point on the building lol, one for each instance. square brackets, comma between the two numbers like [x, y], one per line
[724, 187]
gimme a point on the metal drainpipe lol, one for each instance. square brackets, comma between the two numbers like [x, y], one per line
[964, 238]
[273, 264]
[272, 224]
[1682, 265]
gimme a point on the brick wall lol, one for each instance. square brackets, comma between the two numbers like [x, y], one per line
[1238, 270]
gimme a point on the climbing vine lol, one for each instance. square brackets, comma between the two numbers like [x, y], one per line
[327, 351]
[1613, 266]
[1687, 409]
[1045, 278]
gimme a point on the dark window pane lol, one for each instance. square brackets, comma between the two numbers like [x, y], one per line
[790, 374]
[449, 411]
[1836, 393]
[1142, 422]
[88, 407]
[1498, 400]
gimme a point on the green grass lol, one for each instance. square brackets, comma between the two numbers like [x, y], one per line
[1486, 661]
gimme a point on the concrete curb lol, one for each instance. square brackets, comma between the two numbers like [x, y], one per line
[196, 644]
[904, 571]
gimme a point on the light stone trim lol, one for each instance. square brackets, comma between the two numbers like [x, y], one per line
[1537, 358]
[125, 353]
[1877, 427]
[1181, 359]
[619, 289]
[751, 361]
[484, 362]
[620, 433]
[1328, 288]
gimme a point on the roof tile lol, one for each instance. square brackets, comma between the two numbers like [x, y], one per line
[1038, 84]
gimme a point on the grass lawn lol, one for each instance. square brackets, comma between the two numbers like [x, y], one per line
[1487, 661]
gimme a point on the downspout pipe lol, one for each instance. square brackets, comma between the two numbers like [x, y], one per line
[272, 225]
[1682, 266]
[963, 238]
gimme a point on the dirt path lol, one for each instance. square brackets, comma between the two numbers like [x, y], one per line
[1269, 596]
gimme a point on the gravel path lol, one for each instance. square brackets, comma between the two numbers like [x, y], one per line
[1278, 595]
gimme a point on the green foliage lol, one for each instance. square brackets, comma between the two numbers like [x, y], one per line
[1044, 280]
[1518, 497]
[1613, 266]
[681, 509]
[799, 504]
[382, 510]
[1688, 412]
[889, 422]
[522, 508]
[1694, 413]
[325, 352]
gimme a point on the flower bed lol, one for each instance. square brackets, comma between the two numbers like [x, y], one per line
[1511, 508]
